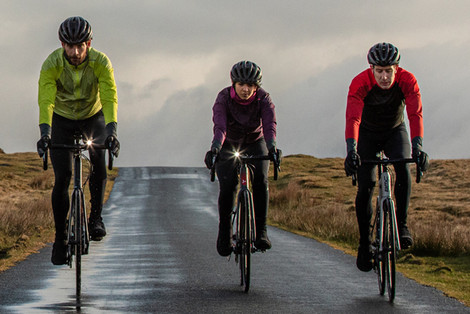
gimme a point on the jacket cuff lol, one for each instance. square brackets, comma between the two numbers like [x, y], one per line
[45, 129]
[216, 144]
[351, 145]
[111, 129]
[417, 143]
[271, 144]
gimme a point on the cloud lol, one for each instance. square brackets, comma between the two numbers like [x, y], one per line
[171, 58]
[178, 134]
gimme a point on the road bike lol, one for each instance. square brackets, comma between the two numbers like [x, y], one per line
[243, 216]
[385, 239]
[78, 237]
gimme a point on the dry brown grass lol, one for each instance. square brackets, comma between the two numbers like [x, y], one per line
[26, 221]
[313, 195]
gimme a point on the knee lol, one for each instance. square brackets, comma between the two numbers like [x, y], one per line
[365, 188]
[62, 179]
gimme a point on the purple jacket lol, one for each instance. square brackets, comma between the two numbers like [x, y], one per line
[243, 124]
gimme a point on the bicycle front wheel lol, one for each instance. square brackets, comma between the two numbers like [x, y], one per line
[391, 249]
[379, 258]
[245, 238]
[77, 214]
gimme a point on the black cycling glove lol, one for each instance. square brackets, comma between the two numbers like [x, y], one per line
[43, 145]
[45, 141]
[112, 142]
[210, 157]
[420, 157]
[275, 155]
[352, 161]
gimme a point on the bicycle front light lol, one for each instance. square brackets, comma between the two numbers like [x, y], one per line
[236, 154]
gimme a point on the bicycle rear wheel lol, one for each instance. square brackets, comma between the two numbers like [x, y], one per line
[390, 240]
[245, 238]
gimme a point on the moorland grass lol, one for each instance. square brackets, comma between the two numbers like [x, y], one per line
[26, 221]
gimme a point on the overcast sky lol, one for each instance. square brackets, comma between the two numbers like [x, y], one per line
[171, 58]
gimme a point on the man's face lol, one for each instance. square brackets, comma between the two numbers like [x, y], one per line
[76, 53]
[385, 76]
[245, 91]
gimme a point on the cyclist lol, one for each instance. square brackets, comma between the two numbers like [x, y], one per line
[77, 93]
[375, 122]
[245, 121]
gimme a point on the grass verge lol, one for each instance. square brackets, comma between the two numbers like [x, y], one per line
[26, 221]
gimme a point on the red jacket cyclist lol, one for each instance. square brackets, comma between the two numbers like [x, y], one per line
[376, 103]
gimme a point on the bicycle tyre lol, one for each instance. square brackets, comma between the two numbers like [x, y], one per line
[245, 236]
[78, 243]
[390, 234]
[70, 227]
[378, 253]
[84, 226]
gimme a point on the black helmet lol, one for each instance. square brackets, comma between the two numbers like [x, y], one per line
[75, 30]
[383, 54]
[246, 72]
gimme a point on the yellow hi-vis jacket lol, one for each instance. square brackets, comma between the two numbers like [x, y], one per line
[77, 92]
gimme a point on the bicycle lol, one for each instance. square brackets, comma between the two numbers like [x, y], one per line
[384, 233]
[78, 237]
[243, 216]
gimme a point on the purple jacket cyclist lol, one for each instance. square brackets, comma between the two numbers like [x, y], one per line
[245, 121]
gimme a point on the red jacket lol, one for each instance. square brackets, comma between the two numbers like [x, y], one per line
[377, 109]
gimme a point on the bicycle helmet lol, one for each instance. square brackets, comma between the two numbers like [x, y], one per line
[75, 30]
[383, 54]
[246, 72]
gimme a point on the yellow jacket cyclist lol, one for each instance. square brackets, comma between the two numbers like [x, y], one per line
[77, 94]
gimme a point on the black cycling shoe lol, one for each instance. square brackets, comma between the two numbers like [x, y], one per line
[96, 228]
[262, 242]
[405, 237]
[364, 258]
[224, 238]
[59, 253]
[224, 247]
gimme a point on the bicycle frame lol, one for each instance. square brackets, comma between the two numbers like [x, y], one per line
[386, 243]
[243, 216]
[385, 193]
[243, 220]
[245, 189]
[78, 237]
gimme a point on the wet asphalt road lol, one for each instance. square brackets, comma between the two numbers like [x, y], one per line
[159, 257]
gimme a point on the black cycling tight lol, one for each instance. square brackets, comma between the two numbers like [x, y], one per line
[63, 131]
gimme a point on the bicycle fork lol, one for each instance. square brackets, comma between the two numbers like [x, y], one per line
[246, 219]
[385, 196]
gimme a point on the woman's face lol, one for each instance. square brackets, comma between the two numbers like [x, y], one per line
[244, 90]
